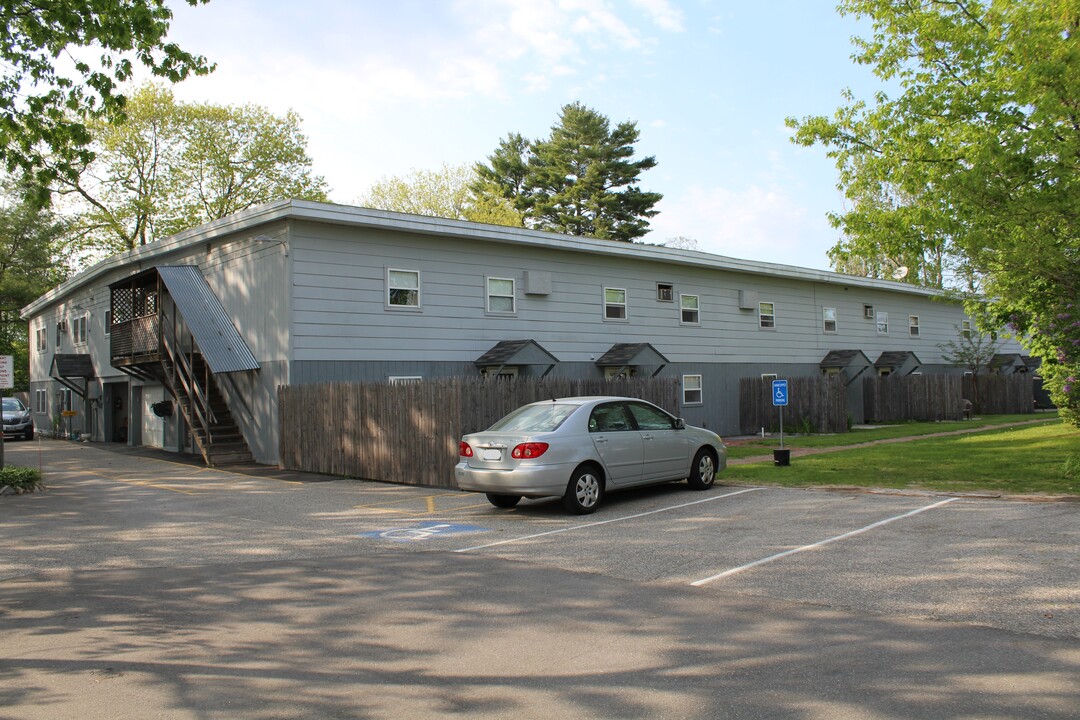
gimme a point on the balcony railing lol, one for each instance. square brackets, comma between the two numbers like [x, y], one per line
[135, 338]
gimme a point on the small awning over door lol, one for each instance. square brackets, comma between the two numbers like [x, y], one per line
[68, 368]
[515, 353]
[627, 355]
[225, 351]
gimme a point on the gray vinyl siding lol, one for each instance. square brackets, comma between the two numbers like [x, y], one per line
[340, 313]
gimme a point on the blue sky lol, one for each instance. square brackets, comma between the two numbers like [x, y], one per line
[386, 87]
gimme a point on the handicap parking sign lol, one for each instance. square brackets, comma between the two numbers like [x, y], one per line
[779, 392]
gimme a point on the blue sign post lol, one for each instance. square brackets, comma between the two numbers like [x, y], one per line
[780, 399]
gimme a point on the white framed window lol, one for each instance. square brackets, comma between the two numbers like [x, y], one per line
[868, 312]
[614, 303]
[65, 399]
[41, 401]
[965, 328]
[78, 329]
[691, 390]
[404, 379]
[769, 376]
[402, 288]
[501, 295]
[689, 311]
[766, 315]
[42, 336]
[828, 319]
[913, 325]
[665, 292]
[108, 323]
[882, 323]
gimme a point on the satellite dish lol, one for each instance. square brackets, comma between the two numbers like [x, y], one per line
[900, 273]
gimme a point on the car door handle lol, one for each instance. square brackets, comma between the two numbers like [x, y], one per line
[600, 440]
[647, 437]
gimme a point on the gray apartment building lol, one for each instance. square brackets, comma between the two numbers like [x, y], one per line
[183, 343]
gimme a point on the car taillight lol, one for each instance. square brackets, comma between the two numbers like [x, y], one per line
[527, 451]
[464, 450]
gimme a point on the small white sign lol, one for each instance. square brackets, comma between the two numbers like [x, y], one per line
[7, 372]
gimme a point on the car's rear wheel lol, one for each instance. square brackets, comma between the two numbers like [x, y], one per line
[703, 471]
[584, 491]
[503, 501]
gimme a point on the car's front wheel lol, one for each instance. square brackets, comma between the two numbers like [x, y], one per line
[584, 491]
[703, 471]
[503, 501]
[29, 434]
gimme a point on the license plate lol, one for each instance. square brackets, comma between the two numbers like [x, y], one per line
[492, 454]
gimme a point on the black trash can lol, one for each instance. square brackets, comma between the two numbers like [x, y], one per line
[781, 458]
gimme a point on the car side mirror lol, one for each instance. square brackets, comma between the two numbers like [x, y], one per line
[680, 424]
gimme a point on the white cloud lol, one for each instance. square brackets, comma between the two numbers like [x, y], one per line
[755, 223]
[662, 14]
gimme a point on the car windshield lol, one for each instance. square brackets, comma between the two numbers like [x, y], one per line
[535, 418]
[12, 404]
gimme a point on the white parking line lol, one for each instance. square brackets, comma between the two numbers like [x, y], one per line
[777, 556]
[605, 522]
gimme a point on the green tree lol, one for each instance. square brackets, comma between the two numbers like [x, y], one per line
[169, 166]
[31, 262]
[445, 192]
[45, 106]
[581, 180]
[972, 351]
[974, 160]
[235, 157]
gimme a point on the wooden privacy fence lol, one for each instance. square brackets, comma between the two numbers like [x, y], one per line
[1001, 394]
[816, 403]
[941, 397]
[408, 433]
[895, 398]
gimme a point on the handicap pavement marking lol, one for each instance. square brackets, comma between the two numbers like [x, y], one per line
[423, 531]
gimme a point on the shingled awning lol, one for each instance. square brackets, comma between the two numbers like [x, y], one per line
[897, 360]
[66, 368]
[515, 353]
[628, 355]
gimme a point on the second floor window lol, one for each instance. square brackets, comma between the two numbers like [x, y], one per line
[766, 315]
[78, 330]
[883, 323]
[403, 288]
[42, 335]
[688, 305]
[500, 295]
[828, 319]
[614, 304]
[913, 326]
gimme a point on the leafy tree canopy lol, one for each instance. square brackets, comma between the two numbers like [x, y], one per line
[974, 161]
[31, 262]
[49, 88]
[169, 166]
[581, 180]
[440, 193]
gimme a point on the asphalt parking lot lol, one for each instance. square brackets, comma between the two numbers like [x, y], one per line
[987, 592]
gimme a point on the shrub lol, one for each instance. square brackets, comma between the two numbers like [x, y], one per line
[20, 479]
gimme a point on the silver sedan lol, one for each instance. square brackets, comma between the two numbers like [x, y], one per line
[580, 448]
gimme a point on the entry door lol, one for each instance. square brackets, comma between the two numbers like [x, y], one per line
[617, 442]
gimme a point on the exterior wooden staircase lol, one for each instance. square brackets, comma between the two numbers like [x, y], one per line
[203, 406]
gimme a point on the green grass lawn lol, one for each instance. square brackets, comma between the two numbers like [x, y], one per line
[1024, 460]
[755, 446]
